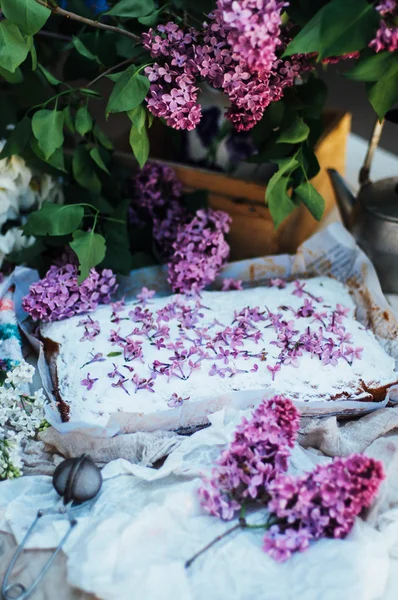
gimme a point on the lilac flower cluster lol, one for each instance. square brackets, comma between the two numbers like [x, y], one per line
[258, 452]
[173, 93]
[235, 51]
[156, 202]
[387, 34]
[200, 251]
[59, 296]
[254, 30]
[323, 503]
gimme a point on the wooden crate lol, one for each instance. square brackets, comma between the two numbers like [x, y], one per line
[252, 230]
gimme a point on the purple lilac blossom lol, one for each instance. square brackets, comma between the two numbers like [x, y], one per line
[229, 284]
[258, 452]
[254, 30]
[200, 251]
[156, 202]
[235, 51]
[59, 295]
[387, 34]
[323, 503]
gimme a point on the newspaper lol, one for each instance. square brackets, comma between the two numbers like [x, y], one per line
[331, 252]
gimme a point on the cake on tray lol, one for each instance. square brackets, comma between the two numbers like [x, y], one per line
[155, 357]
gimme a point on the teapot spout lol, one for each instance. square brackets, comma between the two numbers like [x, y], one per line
[345, 198]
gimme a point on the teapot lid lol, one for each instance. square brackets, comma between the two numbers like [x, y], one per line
[381, 198]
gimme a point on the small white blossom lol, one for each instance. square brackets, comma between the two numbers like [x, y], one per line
[21, 415]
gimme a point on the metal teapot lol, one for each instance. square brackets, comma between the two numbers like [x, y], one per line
[372, 217]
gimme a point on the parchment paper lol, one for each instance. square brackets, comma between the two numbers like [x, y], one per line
[333, 252]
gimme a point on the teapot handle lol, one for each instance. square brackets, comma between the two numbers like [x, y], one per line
[373, 143]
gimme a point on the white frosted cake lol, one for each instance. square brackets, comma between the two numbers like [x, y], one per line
[164, 356]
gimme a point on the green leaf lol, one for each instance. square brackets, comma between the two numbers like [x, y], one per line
[371, 67]
[13, 46]
[83, 50]
[90, 248]
[91, 93]
[56, 160]
[97, 158]
[139, 140]
[337, 28]
[33, 54]
[68, 120]
[132, 8]
[311, 198]
[84, 121]
[47, 126]
[152, 19]
[18, 138]
[279, 203]
[112, 354]
[297, 132]
[29, 16]
[129, 91]
[102, 138]
[384, 93]
[139, 143]
[347, 27]
[83, 170]
[16, 77]
[53, 219]
[49, 76]
[308, 39]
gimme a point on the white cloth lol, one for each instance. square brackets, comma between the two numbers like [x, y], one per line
[132, 541]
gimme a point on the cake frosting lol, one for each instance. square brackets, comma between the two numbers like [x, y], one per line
[154, 355]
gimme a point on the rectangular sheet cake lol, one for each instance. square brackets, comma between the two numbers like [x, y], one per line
[158, 356]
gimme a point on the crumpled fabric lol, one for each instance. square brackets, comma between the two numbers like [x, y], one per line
[133, 539]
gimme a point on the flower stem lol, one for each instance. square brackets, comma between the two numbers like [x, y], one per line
[240, 525]
[56, 10]
[110, 70]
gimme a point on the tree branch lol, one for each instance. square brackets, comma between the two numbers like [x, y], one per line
[56, 10]
[110, 70]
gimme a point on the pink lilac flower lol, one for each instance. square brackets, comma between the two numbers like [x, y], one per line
[353, 353]
[200, 251]
[229, 284]
[323, 503]
[279, 283]
[156, 202]
[332, 60]
[236, 51]
[59, 295]
[254, 30]
[154, 186]
[387, 34]
[258, 452]
[145, 295]
[98, 357]
[176, 401]
[274, 370]
[88, 382]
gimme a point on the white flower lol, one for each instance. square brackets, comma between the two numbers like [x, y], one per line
[22, 373]
[8, 199]
[13, 241]
[50, 190]
[29, 189]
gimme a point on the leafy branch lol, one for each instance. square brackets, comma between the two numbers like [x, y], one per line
[56, 10]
